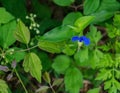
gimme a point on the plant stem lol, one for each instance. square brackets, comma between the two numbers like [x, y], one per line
[51, 88]
[21, 81]
[27, 49]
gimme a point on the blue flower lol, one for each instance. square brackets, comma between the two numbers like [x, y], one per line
[81, 39]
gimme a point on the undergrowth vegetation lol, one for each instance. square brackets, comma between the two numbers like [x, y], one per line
[59, 46]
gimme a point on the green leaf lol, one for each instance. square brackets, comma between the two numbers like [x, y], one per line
[94, 35]
[82, 22]
[5, 17]
[57, 82]
[81, 56]
[42, 10]
[58, 34]
[15, 7]
[63, 2]
[51, 47]
[46, 77]
[109, 5]
[95, 90]
[117, 20]
[61, 63]
[73, 80]
[90, 6]
[4, 87]
[7, 34]
[101, 16]
[70, 18]
[15, 54]
[22, 33]
[33, 65]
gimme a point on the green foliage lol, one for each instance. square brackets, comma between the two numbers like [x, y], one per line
[53, 42]
[83, 22]
[5, 17]
[22, 33]
[32, 64]
[61, 63]
[73, 80]
[95, 90]
[63, 3]
[7, 34]
[15, 7]
[91, 6]
[4, 87]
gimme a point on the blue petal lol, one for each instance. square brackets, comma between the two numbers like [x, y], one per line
[75, 38]
[86, 41]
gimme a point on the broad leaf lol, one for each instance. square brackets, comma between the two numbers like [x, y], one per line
[58, 34]
[5, 17]
[33, 65]
[7, 34]
[73, 80]
[51, 47]
[101, 16]
[15, 7]
[90, 6]
[109, 5]
[82, 22]
[22, 33]
[70, 18]
[63, 2]
[4, 87]
[61, 63]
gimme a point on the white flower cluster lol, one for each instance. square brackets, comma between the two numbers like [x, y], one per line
[33, 25]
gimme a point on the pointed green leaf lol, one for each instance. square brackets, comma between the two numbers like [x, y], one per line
[82, 22]
[59, 34]
[61, 63]
[4, 87]
[70, 18]
[33, 65]
[73, 80]
[7, 34]
[90, 6]
[5, 17]
[22, 33]
[46, 77]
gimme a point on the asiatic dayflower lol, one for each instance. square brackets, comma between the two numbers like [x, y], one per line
[81, 39]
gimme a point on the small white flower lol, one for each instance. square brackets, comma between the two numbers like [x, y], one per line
[37, 31]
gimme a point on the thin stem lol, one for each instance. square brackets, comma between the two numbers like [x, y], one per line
[27, 49]
[51, 88]
[21, 81]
